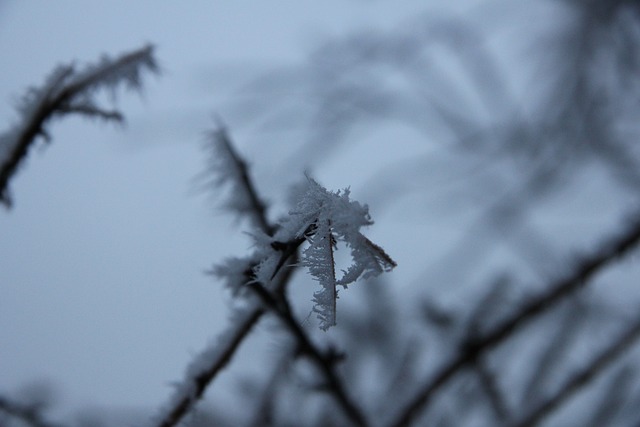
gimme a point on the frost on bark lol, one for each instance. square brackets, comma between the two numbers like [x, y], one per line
[68, 91]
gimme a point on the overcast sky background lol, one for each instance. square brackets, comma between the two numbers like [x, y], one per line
[103, 253]
[102, 290]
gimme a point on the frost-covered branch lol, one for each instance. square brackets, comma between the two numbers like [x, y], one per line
[236, 272]
[205, 367]
[583, 271]
[230, 168]
[276, 247]
[266, 268]
[68, 91]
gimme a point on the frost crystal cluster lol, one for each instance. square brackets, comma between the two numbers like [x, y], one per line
[323, 219]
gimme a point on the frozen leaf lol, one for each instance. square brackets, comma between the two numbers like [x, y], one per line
[326, 218]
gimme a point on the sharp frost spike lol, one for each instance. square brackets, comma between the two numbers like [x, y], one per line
[318, 258]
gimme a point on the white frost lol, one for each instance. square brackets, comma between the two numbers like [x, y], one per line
[326, 218]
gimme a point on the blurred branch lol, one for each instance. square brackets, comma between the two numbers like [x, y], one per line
[584, 270]
[31, 415]
[211, 361]
[325, 361]
[68, 91]
[561, 341]
[265, 412]
[582, 378]
[614, 397]
[205, 367]
[489, 384]
[231, 167]
[195, 384]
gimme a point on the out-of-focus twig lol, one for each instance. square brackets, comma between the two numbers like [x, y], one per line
[583, 271]
[489, 384]
[325, 361]
[232, 167]
[554, 353]
[68, 91]
[582, 377]
[28, 414]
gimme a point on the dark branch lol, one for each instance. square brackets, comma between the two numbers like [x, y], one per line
[184, 404]
[582, 378]
[58, 98]
[582, 273]
[324, 361]
[256, 208]
[29, 414]
[491, 388]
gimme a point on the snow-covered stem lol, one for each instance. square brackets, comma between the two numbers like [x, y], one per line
[583, 377]
[611, 250]
[230, 167]
[325, 361]
[205, 367]
[68, 91]
[198, 378]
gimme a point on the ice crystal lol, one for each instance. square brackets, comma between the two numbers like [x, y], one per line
[326, 218]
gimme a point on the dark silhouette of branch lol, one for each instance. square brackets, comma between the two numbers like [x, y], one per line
[68, 91]
[325, 361]
[614, 398]
[29, 414]
[489, 385]
[184, 401]
[583, 271]
[582, 378]
[265, 412]
[556, 349]
[212, 360]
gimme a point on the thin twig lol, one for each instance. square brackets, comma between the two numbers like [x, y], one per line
[181, 405]
[256, 209]
[324, 361]
[556, 349]
[616, 396]
[184, 404]
[590, 265]
[491, 388]
[195, 386]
